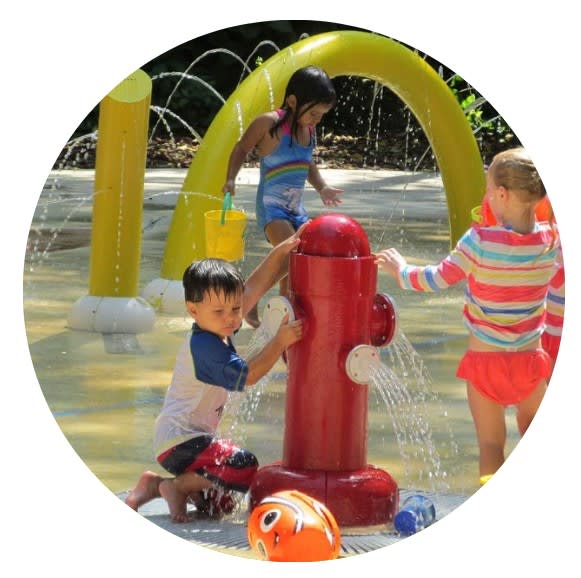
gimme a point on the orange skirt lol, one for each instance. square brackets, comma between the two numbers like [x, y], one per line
[505, 377]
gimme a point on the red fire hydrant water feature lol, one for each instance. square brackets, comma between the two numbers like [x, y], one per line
[332, 281]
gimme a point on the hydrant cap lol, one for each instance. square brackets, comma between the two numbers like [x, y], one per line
[334, 235]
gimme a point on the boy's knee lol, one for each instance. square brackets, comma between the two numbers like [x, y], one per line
[242, 459]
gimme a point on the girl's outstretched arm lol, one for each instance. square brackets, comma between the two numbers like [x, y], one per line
[453, 269]
[237, 157]
[248, 141]
[269, 272]
[391, 261]
[329, 195]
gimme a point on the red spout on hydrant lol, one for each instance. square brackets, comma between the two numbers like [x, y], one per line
[332, 280]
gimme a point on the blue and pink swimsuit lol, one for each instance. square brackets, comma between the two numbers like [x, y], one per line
[283, 174]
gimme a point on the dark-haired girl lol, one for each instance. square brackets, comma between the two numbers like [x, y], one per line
[284, 140]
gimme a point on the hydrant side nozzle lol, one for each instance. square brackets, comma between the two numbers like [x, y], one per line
[359, 362]
[384, 322]
[274, 312]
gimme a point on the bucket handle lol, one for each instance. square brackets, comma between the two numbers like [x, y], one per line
[226, 206]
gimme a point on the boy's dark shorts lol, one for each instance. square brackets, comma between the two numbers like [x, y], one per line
[215, 459]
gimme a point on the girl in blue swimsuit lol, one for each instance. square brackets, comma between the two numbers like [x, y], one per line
[284, 140]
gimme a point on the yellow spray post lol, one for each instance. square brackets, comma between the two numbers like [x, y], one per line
[339, 53]
[113, 304]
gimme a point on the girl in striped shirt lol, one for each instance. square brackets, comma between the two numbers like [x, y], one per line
[551, 338]
[508, 269]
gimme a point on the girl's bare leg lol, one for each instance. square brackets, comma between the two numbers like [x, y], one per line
[147, 489]
[490, 425]
[276, 232]
[527, 409]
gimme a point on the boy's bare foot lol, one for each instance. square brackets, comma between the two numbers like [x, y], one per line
[176, 501]
[146, 489]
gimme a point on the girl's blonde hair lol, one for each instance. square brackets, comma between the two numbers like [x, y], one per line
[514, 170]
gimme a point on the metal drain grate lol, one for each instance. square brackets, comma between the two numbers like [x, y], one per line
[227, 534]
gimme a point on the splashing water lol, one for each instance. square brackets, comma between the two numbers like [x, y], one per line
[241, 409]
[39, 249]
[270, 89]
[239, 118]
[74, 144]
[409, 409]
[184, 75]
[247, 68]
[161, 112]
[240, 412]
[403, 355]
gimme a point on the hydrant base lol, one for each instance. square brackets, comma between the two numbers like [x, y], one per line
[364, 497]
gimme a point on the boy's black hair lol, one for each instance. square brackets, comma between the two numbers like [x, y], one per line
[310, 85]
[207, 275]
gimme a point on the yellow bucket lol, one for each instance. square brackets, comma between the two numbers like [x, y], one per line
[225, 232]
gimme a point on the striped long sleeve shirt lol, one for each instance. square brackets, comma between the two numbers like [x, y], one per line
[556, 304]
[508, 276]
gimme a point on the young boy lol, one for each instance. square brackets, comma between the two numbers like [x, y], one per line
[207, 368]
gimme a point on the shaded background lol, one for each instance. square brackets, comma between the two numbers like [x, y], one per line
[369, 128]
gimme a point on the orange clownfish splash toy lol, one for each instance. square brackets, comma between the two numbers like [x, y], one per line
[290, 526]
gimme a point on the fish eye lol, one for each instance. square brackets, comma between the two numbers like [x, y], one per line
[269, 519]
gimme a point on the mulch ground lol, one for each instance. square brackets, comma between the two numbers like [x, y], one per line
[336, 151]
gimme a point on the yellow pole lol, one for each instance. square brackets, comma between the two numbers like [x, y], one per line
[119, 178]
[339, 53]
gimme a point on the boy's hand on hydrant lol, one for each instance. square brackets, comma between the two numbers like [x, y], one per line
[289, 333]
[293, 241]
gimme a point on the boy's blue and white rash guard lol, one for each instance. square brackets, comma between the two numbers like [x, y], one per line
[206, 369]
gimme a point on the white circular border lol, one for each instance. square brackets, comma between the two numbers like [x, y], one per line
[58, 515]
